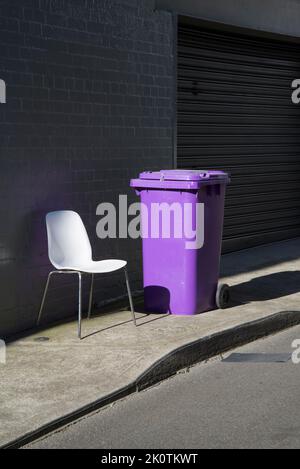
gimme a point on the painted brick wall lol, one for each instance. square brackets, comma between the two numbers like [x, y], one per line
[90, 103]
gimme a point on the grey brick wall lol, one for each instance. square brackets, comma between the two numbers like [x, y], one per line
[90, 103]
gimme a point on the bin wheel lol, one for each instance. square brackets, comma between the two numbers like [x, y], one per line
[222, 296]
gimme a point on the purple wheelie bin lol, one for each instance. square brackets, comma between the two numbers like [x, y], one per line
[182, 222]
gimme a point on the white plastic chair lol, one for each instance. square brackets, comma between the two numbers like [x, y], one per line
[70, 252]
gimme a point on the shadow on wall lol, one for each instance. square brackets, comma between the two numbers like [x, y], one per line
[21, 255]
[267, 287]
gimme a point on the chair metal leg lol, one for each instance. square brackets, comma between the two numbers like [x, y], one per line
[79, 305]
[44, 298]
[130, 297]
[80, 297]
[91, 297]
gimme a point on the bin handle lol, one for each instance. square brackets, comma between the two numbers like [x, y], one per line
[203, 176]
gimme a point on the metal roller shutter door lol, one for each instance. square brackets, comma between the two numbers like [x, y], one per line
[235, 113]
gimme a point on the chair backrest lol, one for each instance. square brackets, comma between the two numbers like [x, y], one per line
[68, 241]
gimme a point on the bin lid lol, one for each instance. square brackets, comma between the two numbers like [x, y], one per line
[179, 179]
[184, 175]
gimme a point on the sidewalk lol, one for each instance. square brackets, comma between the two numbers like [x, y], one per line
[52, 382]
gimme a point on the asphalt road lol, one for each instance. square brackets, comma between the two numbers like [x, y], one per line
[215, 405]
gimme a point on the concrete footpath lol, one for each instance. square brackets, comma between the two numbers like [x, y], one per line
[255, 405]
[47, 384]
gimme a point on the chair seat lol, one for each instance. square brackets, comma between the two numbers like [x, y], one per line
[100, 267]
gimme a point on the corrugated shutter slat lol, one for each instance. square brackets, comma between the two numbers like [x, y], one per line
[235, 113]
